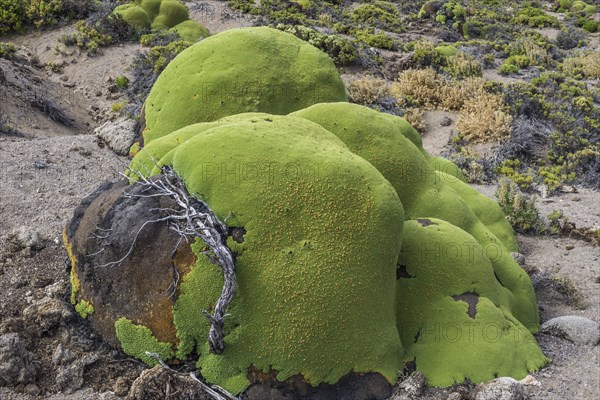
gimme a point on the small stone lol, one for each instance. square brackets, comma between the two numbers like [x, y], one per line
[16, 362]
[62, 355]
[70, 378]
[413, 386]
[500, 389]
[39, 164]
[118, 135]
[569, 247]
[64, 78]
[69, 84]
[454, 396]
[577, 329]
[446, 121]
[24, 238]
[121, 387]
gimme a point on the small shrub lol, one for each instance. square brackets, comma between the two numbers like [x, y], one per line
[520, 209]
[535, 18]
[368, 90]
[341, 50]
[54, 67]
[119, 107]
[582, 65]
[87, 38]
[463, 66]
[483, 119]
[380, 14]
[570, 38]
[427, 89]
[415, 117]
[7, 50]
[379, 40]
[517, 172]
[122, 82]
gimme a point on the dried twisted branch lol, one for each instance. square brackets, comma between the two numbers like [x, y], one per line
[193, 218]
[214, 391]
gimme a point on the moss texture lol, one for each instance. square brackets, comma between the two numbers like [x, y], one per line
[357, 243]
[134, 15]
[136, 340]
[162, 14]
[190, 30]
[454, 316]
[341, 235]
[264, 169]
[280, 74]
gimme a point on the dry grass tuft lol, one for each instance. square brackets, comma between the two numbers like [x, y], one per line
[583, 64]
[368, 90]
[482, 118]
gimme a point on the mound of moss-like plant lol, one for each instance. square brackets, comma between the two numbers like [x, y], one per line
[351, 250]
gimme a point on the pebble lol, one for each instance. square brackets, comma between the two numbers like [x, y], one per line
[577, 329]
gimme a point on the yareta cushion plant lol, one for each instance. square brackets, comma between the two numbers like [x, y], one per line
[161, 14]
[352, 250]
[241, 70]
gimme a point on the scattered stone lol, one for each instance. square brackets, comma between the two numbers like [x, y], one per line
[446, 121]
[64, 78]
[16, 362]
[569, 247]
[69, 84]
[48, 314]
[411, 387]
[530, 381]
[158, 383]
[118, 135]
[577, 329]
[62, 355]
[455, 396]
[23, 238]
[38, 164]
[70, 378]
[121, 386]
[56, 290]
[500, 389]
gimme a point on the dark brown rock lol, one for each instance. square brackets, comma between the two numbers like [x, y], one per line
[125, 259]
[354, 386]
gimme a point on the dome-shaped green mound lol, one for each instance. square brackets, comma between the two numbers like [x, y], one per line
[320, 281]
[171, 13]
[453, 313]
[190, 30]
[383, 140]
[241, 70]
[354, 250]
[134, 15]
[152, 7]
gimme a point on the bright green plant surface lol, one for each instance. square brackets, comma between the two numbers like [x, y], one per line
[162, 14]
[393, 147]
[448, 341]
[325, 194]
[84, 309]
[136, 340]
[273, 78]
[307, 164]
